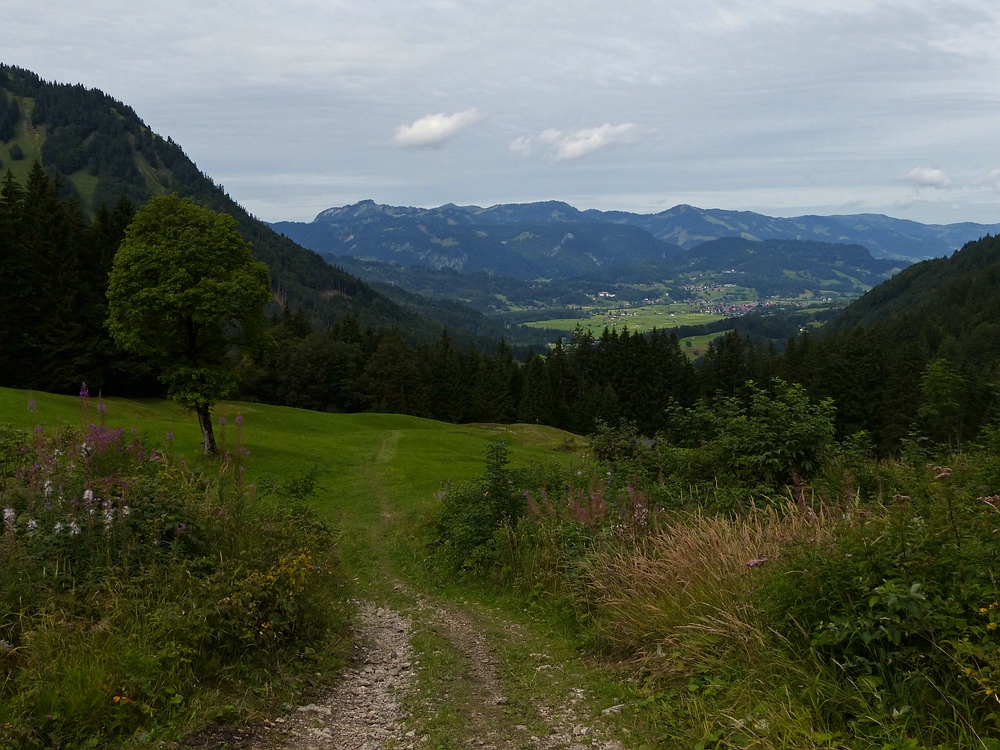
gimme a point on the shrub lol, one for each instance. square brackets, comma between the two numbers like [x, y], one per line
[470, 514]
[900, 607]
[131, 586]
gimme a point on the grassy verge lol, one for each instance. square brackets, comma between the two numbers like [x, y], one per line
[141, 594]
[376, 476]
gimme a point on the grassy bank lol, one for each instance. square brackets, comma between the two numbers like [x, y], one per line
[307, 508]
[854, 608]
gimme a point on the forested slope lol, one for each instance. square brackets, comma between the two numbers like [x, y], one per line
[102, 151]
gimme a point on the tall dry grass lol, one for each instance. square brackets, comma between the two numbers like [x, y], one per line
[687, 594]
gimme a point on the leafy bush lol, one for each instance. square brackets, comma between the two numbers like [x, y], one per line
[471, 514]
[900, 607]
[133, 586]
[857, 606]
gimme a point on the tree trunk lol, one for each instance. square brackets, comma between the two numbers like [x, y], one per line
[205, 422]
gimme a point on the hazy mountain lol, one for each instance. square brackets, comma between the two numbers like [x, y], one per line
[553, 240]
[787, 267]
[536, 241]
[685, 226]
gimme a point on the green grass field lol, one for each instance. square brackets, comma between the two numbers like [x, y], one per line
[368, 464]
[644, 318]
[699, 344]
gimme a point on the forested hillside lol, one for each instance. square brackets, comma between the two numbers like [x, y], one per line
[487, 257]
[102, 151]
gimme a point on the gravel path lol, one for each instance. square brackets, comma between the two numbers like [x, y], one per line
[367, 708]
[363, 712]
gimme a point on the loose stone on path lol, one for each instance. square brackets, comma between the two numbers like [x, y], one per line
[363, 711]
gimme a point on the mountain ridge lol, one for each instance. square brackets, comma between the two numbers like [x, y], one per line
[686, 226]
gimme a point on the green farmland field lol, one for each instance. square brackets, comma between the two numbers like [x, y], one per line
[644, 318]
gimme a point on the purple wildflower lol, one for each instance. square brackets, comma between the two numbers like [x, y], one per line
[32, 406]
[239, 419]
[84, 391]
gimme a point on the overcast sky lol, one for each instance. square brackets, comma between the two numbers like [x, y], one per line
[785, 107]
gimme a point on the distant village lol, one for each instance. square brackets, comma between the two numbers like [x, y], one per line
[728, 309]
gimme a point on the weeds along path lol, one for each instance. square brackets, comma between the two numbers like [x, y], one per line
[434, 673]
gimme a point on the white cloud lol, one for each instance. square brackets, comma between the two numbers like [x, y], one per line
[927, 177]
[580, 143]
[433, 130]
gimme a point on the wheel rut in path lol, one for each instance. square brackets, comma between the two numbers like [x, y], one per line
[552, 718]
[381, 701]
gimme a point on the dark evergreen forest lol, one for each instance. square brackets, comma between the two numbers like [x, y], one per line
[54, 264]
[915, 358]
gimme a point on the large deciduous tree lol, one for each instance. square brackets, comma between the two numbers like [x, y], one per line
[185, 291]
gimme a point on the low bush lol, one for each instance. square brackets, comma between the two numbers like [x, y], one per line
[902, 606]
[856, 605]
[462, 534]
[138, 594]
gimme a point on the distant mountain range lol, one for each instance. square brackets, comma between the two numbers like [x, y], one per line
[546, 242]
[444, 236]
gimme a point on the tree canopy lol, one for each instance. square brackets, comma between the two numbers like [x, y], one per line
[185, 291]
